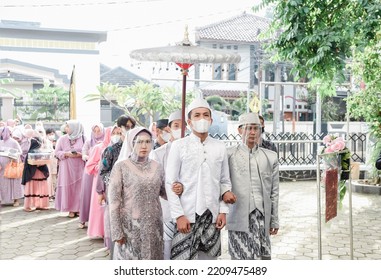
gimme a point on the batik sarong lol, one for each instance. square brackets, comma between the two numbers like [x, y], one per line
[203, 237]
[252, 245]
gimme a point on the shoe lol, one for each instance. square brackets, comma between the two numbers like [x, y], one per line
[81, 225]
[28, 209]
[71, 215]
[42, 208]
[16, 204]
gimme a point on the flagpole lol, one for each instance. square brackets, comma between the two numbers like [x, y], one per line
[72, 97]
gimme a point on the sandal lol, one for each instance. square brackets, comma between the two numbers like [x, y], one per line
[28, 209]
[81, 225]
[16, 204]
[71, 215]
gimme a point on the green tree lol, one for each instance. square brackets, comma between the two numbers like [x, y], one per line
[322, 37]
[143, 101]
[3, 90]
[49, 103]
[318, 37]
[217, 103]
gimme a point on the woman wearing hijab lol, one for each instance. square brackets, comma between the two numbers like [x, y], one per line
[97, 206]
[10, 189]
[34, 178]
[136, 183]
[68, 151]
[97, 136]
[19, 134]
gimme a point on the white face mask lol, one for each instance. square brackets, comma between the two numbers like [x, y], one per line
[201, 126]
[115, 139]
[52, 137]
[166, 136]
[176, 134]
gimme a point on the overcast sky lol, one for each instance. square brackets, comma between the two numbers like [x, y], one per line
[130, 24]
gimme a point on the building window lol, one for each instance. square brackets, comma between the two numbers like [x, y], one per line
[288, 106]
[232, 72]
[217, 71]
[225, 72]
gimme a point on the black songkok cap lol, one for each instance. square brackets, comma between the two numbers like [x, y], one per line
[162, 123]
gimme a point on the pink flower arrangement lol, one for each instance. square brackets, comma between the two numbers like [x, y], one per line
[333, 144]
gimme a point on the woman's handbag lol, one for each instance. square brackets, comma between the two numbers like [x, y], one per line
[14, 170]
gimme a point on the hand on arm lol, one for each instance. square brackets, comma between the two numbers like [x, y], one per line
[177, 188]
[229, 197]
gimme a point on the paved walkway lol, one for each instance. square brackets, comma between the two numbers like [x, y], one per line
[51, 235]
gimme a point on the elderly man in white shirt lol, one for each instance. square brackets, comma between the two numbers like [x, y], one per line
[200, 164]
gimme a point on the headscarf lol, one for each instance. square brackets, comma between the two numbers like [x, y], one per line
[76, 129]
[128, 145]
[18, 133]
[30, 170]
[94, 139]
[5, 133]
[92, 163]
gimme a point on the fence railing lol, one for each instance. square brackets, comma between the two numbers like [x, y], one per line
[299, 150]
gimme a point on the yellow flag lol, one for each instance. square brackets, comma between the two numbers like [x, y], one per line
[72, 97]
[255, 104]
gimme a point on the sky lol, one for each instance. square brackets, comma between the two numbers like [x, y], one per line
[131, 24]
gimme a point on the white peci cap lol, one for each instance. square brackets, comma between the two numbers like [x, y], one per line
[198, 103]
[248, 118]
[174, 116]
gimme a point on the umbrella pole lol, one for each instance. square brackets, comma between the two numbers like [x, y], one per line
[183, 103]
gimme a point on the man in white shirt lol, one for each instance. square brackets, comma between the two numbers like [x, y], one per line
[254, 175]
[200, 164]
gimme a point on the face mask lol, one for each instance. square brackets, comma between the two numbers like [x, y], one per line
[201, 126]
[52, 137]
[115, 139]
[176, 133]
[166, 136]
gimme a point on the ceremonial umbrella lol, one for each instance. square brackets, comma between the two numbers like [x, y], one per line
[185, 55]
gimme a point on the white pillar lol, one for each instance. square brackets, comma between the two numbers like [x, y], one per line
[7, 108]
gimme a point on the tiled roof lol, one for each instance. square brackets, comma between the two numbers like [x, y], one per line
[119, 76]
[232, 94]
[17, 77]
[242, 28]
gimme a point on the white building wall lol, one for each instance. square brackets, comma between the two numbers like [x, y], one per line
[86, 74]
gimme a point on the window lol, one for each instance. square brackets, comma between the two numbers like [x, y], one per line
[232, 74]
[288, 106]
[217, 71]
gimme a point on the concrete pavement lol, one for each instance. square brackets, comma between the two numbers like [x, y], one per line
[48, 234]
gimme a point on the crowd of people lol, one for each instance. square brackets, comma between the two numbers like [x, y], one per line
[149, 193]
